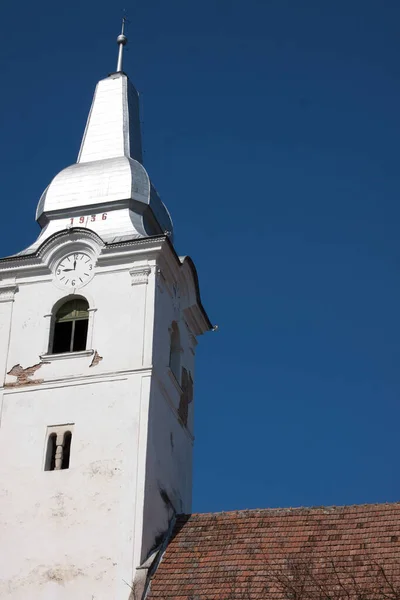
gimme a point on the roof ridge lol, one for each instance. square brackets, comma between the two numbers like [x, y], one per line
[292, 509]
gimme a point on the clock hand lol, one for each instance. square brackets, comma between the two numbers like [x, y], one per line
[74, 264]
[67, 270]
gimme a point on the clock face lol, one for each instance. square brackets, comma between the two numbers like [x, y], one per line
[74, 270]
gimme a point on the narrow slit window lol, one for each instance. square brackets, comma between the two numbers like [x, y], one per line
[58, 449]
[51, 452]
[71, 327]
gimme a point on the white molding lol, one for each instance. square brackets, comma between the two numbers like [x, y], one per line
[117, 256]
[139, 275]
[63, 355]
[74, 380]
[7, 292]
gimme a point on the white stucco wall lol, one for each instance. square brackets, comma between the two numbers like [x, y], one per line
[168, 483]
[81, 532]
[70, 533]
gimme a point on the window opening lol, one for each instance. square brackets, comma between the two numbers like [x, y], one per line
[175, 351]
[71, 327]
[58, 451]
[51, 452]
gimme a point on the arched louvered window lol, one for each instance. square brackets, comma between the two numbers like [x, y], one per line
[175, 352]
[71, 327]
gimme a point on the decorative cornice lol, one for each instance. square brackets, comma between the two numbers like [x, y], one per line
[139, 275]
[142, 241]
[71, 234]
[7, 292]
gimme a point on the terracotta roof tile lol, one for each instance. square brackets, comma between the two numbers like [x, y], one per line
[253, 554]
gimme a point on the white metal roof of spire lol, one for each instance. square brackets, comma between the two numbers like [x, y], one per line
[108, 175]
[113, 125]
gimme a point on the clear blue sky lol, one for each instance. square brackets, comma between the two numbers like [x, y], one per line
[272, 132]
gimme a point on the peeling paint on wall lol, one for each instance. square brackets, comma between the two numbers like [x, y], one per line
[96, 359]
[24, 375]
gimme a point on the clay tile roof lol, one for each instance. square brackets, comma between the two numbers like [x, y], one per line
[254, 554]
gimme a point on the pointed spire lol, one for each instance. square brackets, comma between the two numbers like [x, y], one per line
[108, 173]
[113, 125]
[122, 40]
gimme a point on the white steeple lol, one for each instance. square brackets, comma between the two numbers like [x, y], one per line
[99, 321]
[108, 177]
[113, 125]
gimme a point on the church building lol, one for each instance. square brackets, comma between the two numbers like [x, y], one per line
[99, 322]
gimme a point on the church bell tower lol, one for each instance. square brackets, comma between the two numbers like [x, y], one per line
[98, 325]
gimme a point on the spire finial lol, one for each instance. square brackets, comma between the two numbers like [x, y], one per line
[122, 40]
